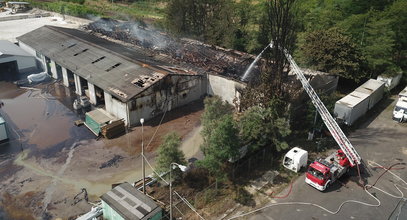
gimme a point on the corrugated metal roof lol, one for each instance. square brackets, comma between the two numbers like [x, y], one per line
[353, 98]
[108, 65]
[129, 202]
[370, 86]
[8, 48]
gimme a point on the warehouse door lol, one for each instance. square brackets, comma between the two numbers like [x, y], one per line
[9, 71]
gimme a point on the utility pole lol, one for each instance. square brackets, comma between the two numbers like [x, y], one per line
[142, 155]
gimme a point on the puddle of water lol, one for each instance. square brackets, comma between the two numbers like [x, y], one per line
[38, 121]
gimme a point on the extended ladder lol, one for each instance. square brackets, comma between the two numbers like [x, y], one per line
[329, 121]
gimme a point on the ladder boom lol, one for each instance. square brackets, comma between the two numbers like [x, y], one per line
[329, 121]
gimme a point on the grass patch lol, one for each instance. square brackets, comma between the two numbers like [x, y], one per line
[144, 9]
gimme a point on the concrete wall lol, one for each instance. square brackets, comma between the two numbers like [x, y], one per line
[170, 92]
[116, 107]
[78, 86]
[65, 77]
[227, 89]
[92, 93]
[54, 69]
[27, 48]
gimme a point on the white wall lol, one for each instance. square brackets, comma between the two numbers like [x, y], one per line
[78, 86]
[225, 88]
[65, 77]
[116, 107]
[27, 48]
[92, 93]
[54, 69]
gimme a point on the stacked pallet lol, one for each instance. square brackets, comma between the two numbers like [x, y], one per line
[113, 129]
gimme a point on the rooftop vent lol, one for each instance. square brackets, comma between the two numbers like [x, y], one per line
[112, 67]
[84, 50]
[71, 45]
[99, 59]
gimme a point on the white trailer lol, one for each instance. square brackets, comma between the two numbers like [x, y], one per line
[375, 90]
[3, 130]
[403, 93]
[351, 107]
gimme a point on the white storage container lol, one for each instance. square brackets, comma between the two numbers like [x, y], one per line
[375, 90]
[351, 107]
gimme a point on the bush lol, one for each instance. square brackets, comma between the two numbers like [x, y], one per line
[243, 197]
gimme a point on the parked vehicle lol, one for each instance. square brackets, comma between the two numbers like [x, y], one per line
[323, 172]
[295, 159]
[400, 110]
[390, 82]
[3, 130]
[84, 101]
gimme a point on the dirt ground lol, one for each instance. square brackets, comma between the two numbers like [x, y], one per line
[48, 160]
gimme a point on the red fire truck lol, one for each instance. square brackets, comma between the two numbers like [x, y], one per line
[323, 172]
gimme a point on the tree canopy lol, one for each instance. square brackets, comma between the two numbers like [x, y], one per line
[169, 152]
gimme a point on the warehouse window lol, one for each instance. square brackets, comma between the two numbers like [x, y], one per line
[99, 59]
[112, 67]
[84, 50]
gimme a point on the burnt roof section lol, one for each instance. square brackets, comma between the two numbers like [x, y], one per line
[108, 65]
[212, 59]
[130, 203]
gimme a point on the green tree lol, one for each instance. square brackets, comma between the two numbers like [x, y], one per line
[210, 20]
[169, 152]
[397, 13]
[222, 145]
[378, 46]
[215, 109]
[263, 127]
[333, 52]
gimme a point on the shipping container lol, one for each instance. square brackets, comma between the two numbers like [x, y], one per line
[3, 130]
[351, 107]
[375, 90]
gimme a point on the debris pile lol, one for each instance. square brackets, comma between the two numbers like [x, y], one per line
[211, 58]
[112, 162]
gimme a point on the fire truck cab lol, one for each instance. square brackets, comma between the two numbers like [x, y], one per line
[323, 172]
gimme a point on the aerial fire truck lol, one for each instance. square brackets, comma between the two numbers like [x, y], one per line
[323, 172]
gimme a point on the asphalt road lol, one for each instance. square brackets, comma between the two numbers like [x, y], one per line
[378, 139]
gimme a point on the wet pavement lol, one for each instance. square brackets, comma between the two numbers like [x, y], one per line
[38, 121]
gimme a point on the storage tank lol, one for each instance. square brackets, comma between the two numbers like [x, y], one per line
[3, 130]
[351, 107]
[375, 90]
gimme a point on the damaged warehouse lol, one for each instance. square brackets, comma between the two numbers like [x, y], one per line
[126, 82]
[141, 80]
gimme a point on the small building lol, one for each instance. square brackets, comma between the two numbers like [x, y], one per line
[124, 202]
[14, 60]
